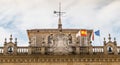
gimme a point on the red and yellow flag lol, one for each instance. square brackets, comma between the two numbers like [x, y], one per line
[83, 32]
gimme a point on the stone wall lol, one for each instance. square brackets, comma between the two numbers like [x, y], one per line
[60, 60]
[65, 63]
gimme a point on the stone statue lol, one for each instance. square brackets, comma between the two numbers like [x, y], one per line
[69, 38]
[50, 39]
[43, 42]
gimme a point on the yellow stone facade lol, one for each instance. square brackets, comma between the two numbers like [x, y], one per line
[59, 47]
[11, 54]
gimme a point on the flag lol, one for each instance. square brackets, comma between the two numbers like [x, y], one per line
[83, 32]
[92, 36]
[97, 33]
[78, 34]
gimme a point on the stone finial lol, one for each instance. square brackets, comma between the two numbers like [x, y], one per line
[16, 40]
[114, 40]
[104, 40]
[109, 38]
[11, 38]
[5, 40]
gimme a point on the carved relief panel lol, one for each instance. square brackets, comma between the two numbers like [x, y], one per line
[59, 44]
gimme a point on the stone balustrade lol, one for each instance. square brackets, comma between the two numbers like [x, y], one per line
[22, 50]
[1, 50]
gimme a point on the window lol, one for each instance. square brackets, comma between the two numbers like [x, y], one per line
[110, 49]
[10, 49]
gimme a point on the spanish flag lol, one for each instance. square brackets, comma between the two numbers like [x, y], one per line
[83, 32]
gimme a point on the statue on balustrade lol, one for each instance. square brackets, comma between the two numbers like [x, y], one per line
[69, 38]
[50, 39]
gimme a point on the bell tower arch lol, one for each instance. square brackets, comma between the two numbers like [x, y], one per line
[10, 47]
[110, 47]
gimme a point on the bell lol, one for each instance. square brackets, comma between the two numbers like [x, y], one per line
[10, 49]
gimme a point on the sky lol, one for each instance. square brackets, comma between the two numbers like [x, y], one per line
[17, 16]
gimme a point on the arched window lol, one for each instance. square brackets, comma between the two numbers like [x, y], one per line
[10, 49]
[109, 49]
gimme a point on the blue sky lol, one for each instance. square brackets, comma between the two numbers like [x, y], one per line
[17, 16]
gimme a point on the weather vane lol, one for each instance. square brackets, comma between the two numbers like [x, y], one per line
[59, 13]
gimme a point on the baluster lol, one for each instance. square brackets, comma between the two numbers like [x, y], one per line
[23, 50]
[20, 50]
[119, 50]
[99, 49]
[0, 51]
[102, 50]
[94, 50]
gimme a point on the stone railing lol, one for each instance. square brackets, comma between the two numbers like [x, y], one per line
[36, 50]
[98, 49]
[55, 58]
[82, 50]
[1, 50]
[22, 50]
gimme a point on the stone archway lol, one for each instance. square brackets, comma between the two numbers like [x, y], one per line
[110, 48]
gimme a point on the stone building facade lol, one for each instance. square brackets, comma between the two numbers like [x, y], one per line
[59, 47]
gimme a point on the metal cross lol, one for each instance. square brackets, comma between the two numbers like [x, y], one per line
[59, 12]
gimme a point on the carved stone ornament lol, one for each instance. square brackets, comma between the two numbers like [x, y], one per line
[60, 45]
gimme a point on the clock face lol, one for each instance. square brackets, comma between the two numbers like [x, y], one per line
[10, 49]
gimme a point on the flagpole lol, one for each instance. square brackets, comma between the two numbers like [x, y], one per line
[100, 40]
[97, 33]
[92, 39]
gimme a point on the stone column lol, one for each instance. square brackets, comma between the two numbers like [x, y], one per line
[29, 50]
[15, 50]
[115, 51]
[77, 50]
[91, 50]
[4, 50]
[105, 50]
[42, 50]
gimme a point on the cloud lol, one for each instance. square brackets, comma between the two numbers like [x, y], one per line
[16, 16]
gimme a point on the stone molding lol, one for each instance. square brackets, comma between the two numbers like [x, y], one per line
[44, 58]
